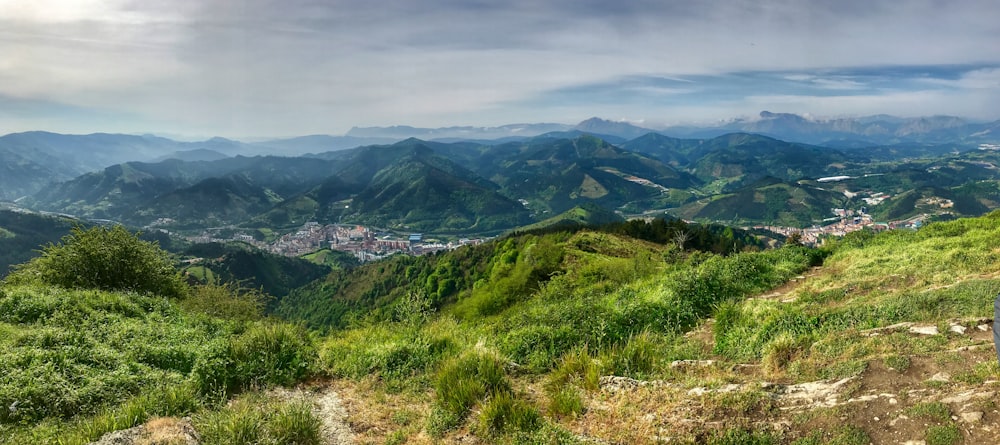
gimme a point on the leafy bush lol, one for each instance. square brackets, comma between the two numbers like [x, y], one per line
[465, 381]
[106, 259]
[505, 413]
[566, 401]
[266, 354]
[229, 301]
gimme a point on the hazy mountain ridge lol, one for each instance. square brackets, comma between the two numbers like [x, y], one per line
[865, 130]
[429, 185]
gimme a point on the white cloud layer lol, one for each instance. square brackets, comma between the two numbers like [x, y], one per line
[266, 67]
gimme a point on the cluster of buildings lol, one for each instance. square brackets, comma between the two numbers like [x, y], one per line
[847, 221]
[363, 242]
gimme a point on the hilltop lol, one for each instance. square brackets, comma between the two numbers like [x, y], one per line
[632, 332]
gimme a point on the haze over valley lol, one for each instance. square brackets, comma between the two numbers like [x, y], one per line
[309, 222]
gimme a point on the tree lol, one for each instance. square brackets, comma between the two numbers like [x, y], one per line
[106, 259]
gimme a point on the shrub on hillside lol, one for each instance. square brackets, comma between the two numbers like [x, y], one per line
[462, 383]
[229, 301]
[106, 259]
[266, 354]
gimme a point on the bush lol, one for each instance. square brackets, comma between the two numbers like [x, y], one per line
[229, 301]
[255, 421]
[266, 354]
[504, 414]
[106, 259]
[465, 381]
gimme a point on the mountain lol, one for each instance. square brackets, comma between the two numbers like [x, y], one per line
[600, 126]
[672, 151]
[588, 214]
[318, 143]
[422, 191]
[858, 131]
[23, 172]
[223, 191]
[198, 154]
[770, 201]
[737, 160]
[23, 233]
[401, 132]
[554, 175]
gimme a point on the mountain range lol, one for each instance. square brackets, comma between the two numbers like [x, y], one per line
[478, 186]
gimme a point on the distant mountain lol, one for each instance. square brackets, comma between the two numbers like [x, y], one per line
[859, 131]
[588, 214]
[223, 191]
[770, 201]
[672, 151]
[318, 143]
[600, 126]
[423, 191]
[738, 160]
[198, 154]
[401, 132]
[554, 175]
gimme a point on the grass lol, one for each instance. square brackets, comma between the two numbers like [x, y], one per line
[517, 358]
[256, 419]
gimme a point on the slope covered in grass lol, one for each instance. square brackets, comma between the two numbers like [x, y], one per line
[626, 341]
[88, 348]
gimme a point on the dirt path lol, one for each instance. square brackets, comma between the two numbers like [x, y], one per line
[326, 406]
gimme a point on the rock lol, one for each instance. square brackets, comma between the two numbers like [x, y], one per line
[689, 363]
[914, 442]
[158, 430]
[924, 330]
[983, 327]
[972, 417]
[957, 329]
[940, 377]
[965, 397]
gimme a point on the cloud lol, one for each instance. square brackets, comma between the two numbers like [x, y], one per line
[264, 67]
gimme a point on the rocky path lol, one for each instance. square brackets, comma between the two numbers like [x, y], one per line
[326, 406]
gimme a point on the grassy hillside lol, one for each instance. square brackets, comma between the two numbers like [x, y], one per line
[21, 234]
[634, 333]
[87, 349]
[583, 337]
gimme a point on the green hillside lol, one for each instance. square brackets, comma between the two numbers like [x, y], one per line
[576, 337]
[770, 201]
[423, 192]
[22, 234]
[89, 347]
[635, 332]
[582, 215]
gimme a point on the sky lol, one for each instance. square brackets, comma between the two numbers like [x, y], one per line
[274, 68]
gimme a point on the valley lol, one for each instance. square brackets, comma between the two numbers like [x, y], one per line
[567, 287]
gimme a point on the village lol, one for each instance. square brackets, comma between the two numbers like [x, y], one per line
[365, 243]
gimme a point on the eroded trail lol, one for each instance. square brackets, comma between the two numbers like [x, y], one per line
[326, 405]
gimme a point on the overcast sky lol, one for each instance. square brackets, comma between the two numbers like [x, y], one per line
[257, 68]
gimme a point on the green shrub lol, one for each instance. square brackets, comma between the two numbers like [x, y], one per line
[743, 436]
[932, 411]
[266, 354]
[106, 259]
[294, 424]
[228, 301]
[943, 435]
[465, 381]
[505, 413]
[565, 401]
[850, 435]
[577, 368]
[256, 420]
[637, 358]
